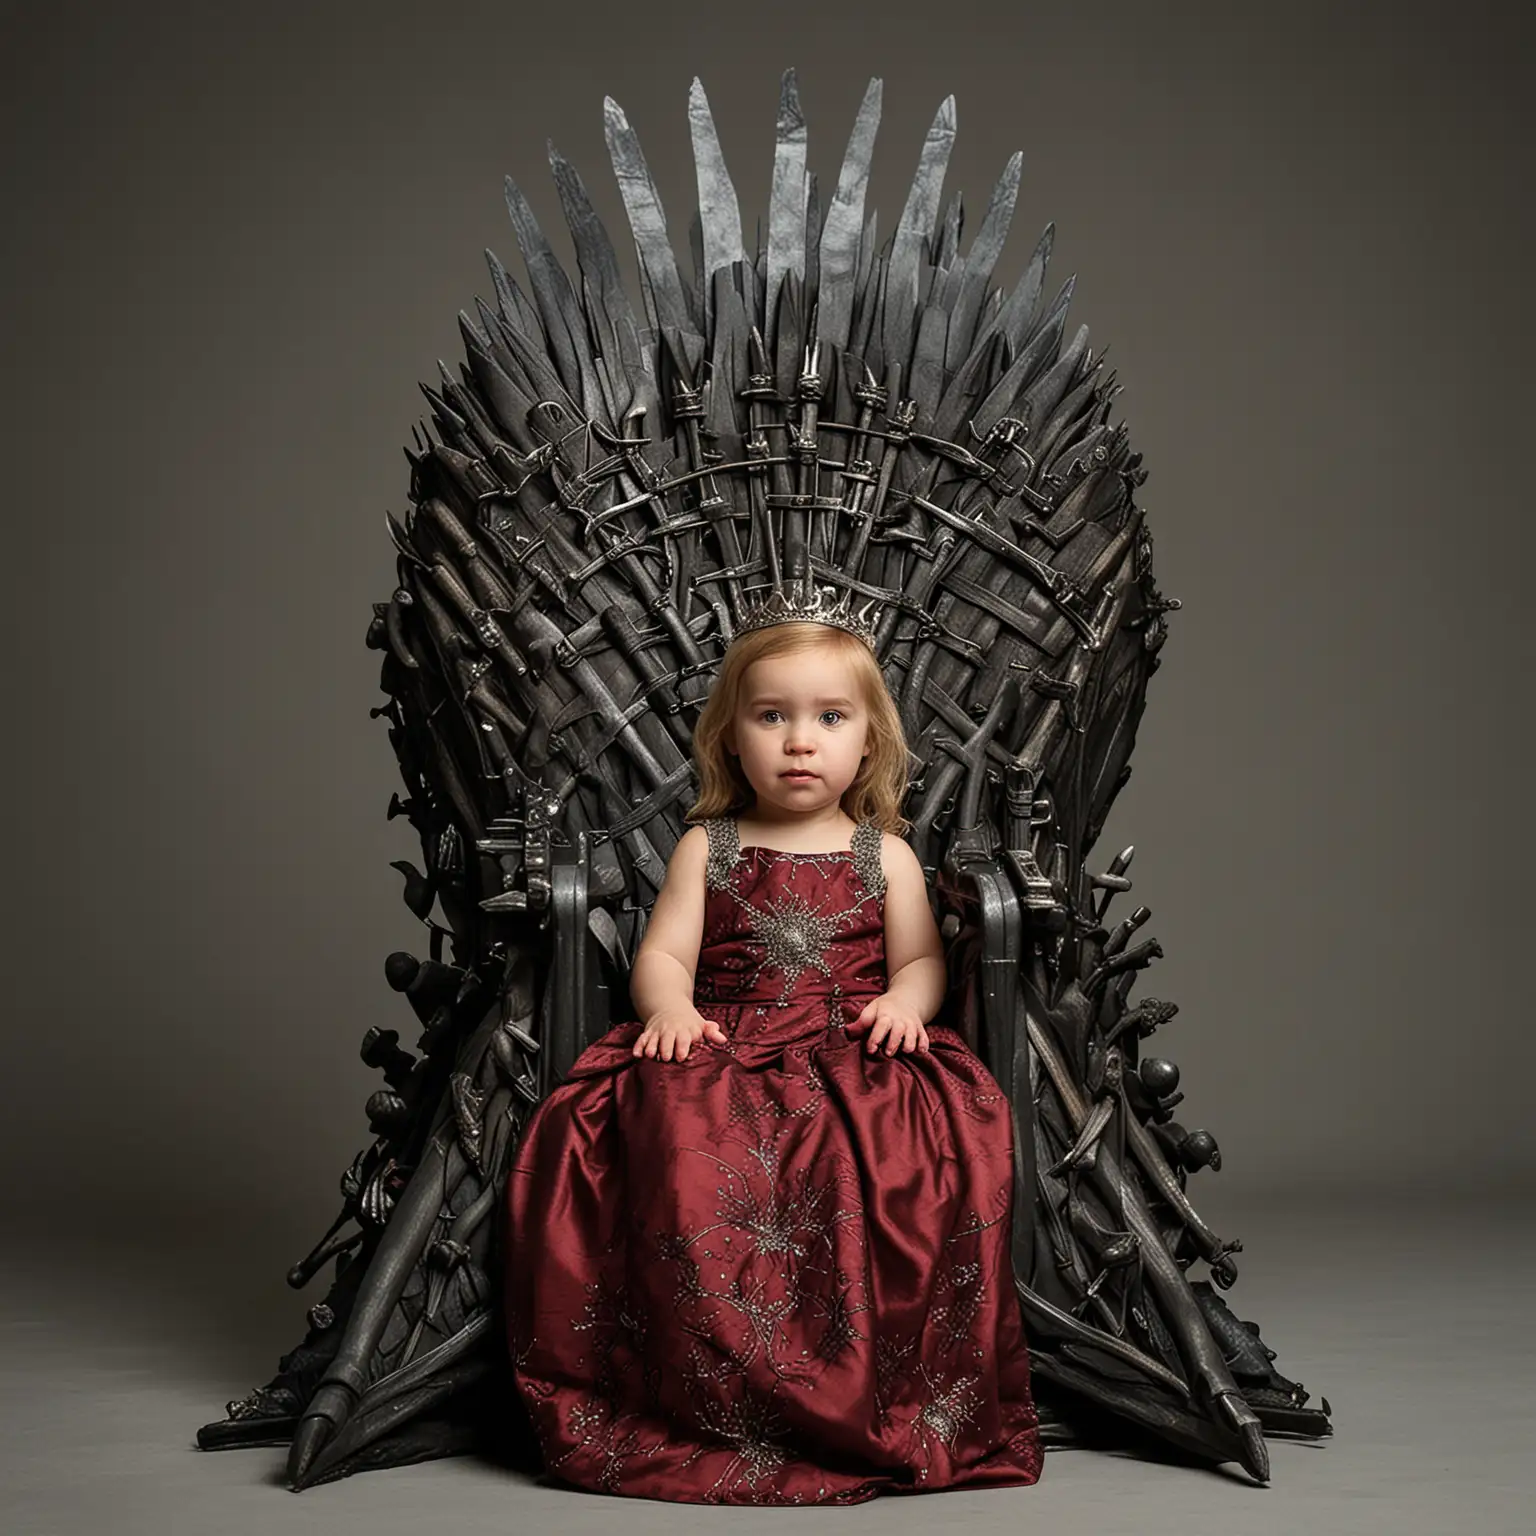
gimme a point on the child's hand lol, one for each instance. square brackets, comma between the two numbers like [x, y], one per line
[893, 1020]
[672, 1031]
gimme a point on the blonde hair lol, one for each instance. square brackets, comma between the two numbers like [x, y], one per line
[880, 785]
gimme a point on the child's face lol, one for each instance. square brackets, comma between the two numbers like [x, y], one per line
[800, 729]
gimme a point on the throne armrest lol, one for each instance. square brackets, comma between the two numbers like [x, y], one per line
[577, 989]
[976, 887]
[983, 956]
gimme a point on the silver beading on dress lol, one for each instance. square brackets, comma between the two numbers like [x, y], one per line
[867, 841]
[724, 850]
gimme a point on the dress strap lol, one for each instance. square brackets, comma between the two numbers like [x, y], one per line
[866, 841]
[724, 850]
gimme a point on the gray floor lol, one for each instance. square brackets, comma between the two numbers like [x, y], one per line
[1413, 1320]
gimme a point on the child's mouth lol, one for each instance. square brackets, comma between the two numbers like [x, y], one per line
[798, 776]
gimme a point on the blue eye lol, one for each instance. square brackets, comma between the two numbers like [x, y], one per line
[773, 716]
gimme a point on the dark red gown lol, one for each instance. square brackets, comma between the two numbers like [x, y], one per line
[777, 1271]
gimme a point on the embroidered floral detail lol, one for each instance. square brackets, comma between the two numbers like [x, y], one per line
[617, 1323]
[795, 936]
[965, 1290]
[951, 1405]
[790, 1217]
[750, 1424]
[838, 1332]
[609, 1438]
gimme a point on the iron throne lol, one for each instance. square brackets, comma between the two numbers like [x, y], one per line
[598, 497]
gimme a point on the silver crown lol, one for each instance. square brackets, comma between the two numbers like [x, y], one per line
[803, 602]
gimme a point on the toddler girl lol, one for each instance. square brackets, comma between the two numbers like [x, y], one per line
[759, 1237]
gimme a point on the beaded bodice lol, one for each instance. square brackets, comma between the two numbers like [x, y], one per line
[782, 927]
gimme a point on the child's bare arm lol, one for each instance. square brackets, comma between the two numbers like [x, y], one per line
[668, 958]
[661, 981]
[914, 952]
[914, 957]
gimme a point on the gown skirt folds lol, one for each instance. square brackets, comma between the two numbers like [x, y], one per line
[778, 1271]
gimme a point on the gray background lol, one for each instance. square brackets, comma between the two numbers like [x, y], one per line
[235, 239]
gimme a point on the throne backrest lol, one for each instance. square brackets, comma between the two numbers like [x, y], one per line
[603, 492]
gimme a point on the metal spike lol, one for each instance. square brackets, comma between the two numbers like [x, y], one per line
[926, 379]
[1006, 394]
[844, 266]
[533, 365]
[614, 336]
[501, 280]
[980, 261]
[785, 343]
[595, 254]
[507, 404]
[719, 212]
[869, 244]
[970, 383]
[1017, 316]
[556, 303]
[513, 307]
[728, 366]
[1046, 393]
[947, 238]
[812, 267]
[786, 204]
[917, 222]
[699, 305]
[642, 203]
